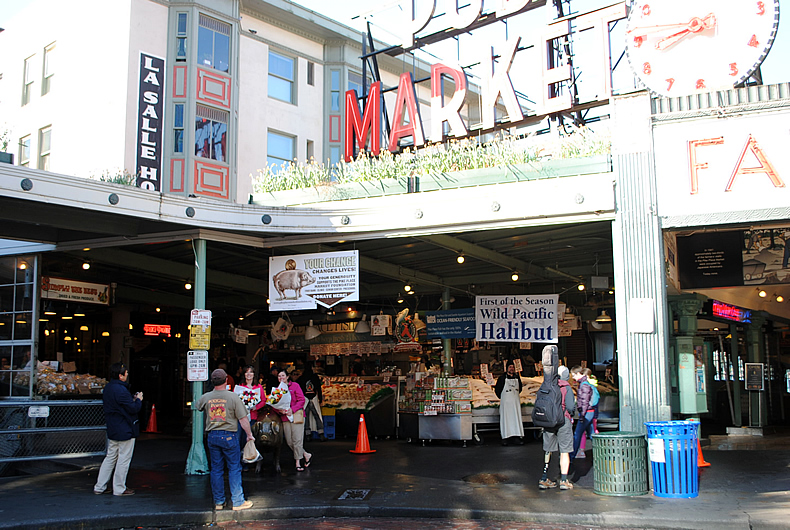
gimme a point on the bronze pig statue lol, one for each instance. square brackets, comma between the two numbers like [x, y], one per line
[268, 433]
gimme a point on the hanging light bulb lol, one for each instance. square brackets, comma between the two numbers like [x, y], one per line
[407, 287]
[187, 286]
[400, 299]
[780, 298]
[514, 276]
[460, 258]
[580, 287]
[762, 294]
[86, 265]
[311, 332]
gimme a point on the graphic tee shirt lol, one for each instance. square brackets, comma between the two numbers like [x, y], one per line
[223, 410]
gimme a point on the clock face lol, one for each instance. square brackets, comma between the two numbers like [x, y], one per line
[678, 47]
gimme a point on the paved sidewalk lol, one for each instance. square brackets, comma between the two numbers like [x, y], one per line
[741, 489]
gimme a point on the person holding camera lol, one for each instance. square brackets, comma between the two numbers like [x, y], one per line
[120, 413]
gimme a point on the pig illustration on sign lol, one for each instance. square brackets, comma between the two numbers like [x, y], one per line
[268, 433]
[294, 280]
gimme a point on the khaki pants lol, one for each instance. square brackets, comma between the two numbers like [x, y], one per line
[119, 457]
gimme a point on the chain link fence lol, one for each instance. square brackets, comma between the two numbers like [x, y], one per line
[45, 430]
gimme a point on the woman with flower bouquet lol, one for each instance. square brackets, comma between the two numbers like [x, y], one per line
[288, 401]
[252, 395]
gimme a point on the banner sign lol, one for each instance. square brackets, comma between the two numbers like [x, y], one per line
[304, 280]
[451, 324]
[150, 114]
[517, 318]
[71, 291]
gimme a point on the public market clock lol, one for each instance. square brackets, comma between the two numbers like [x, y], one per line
[678, 47]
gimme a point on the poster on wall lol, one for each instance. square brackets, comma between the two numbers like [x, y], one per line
[304, 281]
[734, 258]
[517, 318]
[380, 325]
[451, 323]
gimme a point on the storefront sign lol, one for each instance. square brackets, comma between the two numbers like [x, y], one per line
[728, 312]
[197, 365]
[150, 122]
[496, 84]
[71, 291]
[304, 280]
[755, 376]
[517, 318]
[451, 324]
[156, 329]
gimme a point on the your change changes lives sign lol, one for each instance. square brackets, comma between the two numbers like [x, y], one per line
[517, 318]
[301, 281]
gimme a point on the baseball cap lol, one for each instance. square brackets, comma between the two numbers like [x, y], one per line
[218, 377]
[563, 372]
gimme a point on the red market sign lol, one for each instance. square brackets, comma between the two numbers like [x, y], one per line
[155, 330]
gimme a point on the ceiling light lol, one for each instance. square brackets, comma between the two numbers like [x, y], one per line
[66, 317]
[86, 265]
[105, 333]
[761, 293]
[131, 327]
[460, 258]
[311, 332]
[22, 266]
[362, 326]
[67, 339]
[83, 328]
[49, 311]
[780, 298]
[46, 332]
[79, 314]
[187, 286]
[603, 317]
[407, 287]
[514, 276]
[580, 287]
[400, 299]
[158, 309]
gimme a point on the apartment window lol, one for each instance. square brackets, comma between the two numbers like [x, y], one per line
[279, 150]
[27, 80]
[311, 73]
[310, 150]
[213, 43]
[355, 83]
[334, 156]
[335, 90]
[281, 77]
[211, 131]
[181, 37]
[44, 138]
[24, 151]
[178, 128]
[49, 69]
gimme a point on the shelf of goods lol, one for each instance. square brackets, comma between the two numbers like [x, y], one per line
[436, 408]
[350, 396]
[485, 403]
[58, 384]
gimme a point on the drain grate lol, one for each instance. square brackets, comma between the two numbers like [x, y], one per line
[355, 495]
[297, 491]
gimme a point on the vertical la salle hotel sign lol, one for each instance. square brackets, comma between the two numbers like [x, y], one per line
[150, 104]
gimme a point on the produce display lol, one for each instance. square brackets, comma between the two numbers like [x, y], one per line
[50, 382]
[345, 393]
[483, 394]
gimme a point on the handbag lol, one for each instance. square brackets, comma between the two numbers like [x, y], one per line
[299, 416]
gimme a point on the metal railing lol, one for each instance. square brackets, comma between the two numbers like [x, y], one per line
[45, 430]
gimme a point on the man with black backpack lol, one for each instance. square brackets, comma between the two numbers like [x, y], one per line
[560, 436]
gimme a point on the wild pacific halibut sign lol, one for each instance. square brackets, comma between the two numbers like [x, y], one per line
[517, 318]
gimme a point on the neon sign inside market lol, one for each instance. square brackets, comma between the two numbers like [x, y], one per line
[495, 83]
[730, 312]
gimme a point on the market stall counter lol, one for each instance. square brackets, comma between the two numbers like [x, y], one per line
[351, 396]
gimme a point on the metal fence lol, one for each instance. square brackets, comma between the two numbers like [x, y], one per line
[45, 430]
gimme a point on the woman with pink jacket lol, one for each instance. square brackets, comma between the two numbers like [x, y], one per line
[294, 434]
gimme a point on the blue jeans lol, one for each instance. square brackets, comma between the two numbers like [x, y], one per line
[223, 448]
[585, 424]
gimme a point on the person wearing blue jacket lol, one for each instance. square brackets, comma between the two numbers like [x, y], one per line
[120, 413]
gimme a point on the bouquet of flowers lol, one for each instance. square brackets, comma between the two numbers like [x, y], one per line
[280, 399]
[249, 396]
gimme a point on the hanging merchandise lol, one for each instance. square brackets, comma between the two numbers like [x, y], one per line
[281, 329]
[380, 325]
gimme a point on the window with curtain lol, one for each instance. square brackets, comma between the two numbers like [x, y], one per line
[211, 131]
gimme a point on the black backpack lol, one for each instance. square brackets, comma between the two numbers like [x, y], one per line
[548, 412]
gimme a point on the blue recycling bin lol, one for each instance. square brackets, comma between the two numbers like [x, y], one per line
[672, 446]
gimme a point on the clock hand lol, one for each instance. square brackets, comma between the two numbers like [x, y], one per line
[695, 25]
[644, 30]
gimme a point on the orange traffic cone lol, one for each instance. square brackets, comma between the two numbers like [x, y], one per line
[700, 461]
[151, 427]
[363, 447]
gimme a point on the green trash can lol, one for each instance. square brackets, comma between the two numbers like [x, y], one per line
[619, 464]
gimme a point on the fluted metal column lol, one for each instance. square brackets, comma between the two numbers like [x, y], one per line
[643, 364]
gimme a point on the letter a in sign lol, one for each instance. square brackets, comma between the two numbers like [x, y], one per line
[764, 167]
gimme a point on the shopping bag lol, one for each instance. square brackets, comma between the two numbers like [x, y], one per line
[299, 416]
[251, 453]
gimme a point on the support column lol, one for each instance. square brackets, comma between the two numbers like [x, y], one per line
[642, 360]
[758, 413]
[735, 376]
[197, 462]
[447, 348]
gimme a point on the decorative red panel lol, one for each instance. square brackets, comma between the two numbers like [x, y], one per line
[177, 166]
[180, 81]
[334, 128]
[211, 180]
[213, 88]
